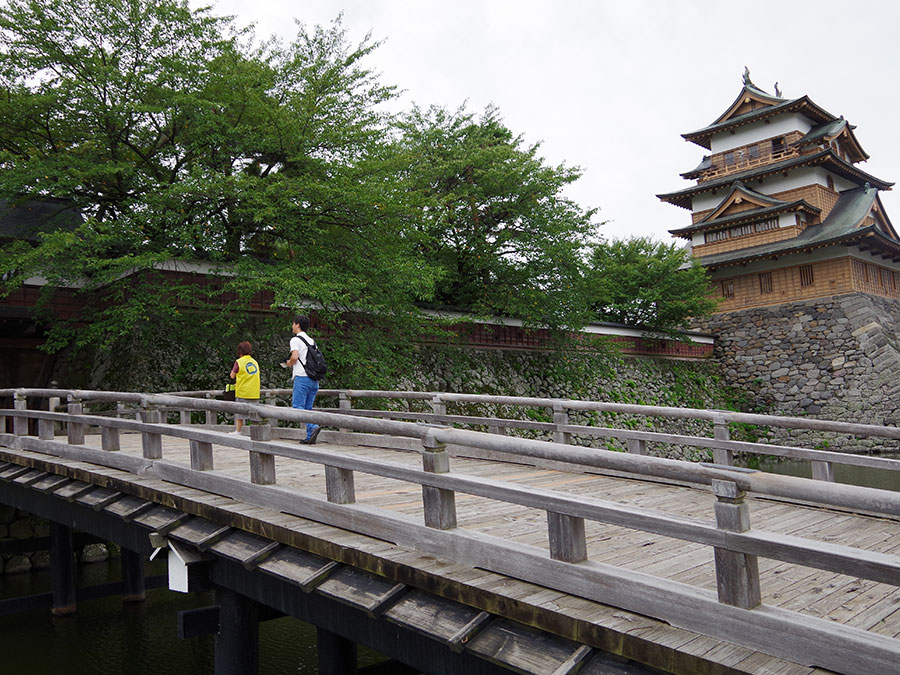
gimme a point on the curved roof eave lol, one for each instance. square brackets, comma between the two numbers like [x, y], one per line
[701, 136]
[682, 198]
[784, 207]
[845, 238]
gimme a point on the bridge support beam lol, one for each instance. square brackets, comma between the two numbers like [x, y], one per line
[62, 569]
[337, 655]
[133, 589]
[237, 643]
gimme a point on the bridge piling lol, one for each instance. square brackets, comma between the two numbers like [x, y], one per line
[62, 569]
[133, 581]
[337, 654]
[237, 642]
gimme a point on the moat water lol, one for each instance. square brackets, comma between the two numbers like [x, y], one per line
[107, 637]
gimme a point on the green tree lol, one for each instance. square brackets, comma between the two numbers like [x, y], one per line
[642, 282]
[179, 139]
[496, 220]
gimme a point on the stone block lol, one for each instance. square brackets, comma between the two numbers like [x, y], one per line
[94, 553]
[21, 529]
[17, 564]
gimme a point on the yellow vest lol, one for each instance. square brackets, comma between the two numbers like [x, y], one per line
[247, 380]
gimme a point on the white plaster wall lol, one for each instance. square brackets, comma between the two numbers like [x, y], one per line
[779, 125]
[778, 183]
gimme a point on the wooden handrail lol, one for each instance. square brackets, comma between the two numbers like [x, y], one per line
[822, 460]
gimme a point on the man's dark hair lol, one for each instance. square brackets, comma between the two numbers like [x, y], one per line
[302, 321]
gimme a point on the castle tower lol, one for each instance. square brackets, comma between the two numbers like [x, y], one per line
[799, 247]
[781, 210]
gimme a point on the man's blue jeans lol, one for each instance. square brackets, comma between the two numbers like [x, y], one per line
[303, 397]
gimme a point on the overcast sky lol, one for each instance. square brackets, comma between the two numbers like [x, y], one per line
[611, 86]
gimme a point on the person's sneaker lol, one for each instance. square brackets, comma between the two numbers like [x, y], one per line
[313, 436]
[234, 433]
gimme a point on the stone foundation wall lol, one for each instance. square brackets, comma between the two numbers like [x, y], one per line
[836, 358]
[18, 525]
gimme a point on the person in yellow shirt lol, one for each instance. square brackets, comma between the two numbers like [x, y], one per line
[245, 373]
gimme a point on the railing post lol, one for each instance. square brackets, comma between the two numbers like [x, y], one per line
[440, 504]
[344, 403]
[184, 417]
[46, 428]
[823, 471]
[636, 446]
[75, 430]
[151, 442]
[567, 541]
[210, 414]
[438, 407]
[52, 405]
[339, 485]
[560, 419]
[20, 424]
[737, 574]
[201, 456]
[109, 439]
[262, 464]
[721, 433]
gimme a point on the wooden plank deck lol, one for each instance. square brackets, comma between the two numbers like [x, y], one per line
[841, 598]
[854, 602]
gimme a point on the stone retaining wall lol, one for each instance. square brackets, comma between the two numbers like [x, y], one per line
[833, 358]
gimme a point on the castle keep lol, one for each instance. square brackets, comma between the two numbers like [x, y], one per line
[803, 255]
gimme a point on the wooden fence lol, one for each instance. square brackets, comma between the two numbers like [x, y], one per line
[733, 613]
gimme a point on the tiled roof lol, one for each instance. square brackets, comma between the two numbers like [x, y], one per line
[683, 197]
[842, 223]
[810, 109]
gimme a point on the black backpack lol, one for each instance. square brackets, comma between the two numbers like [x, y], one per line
[315, 365]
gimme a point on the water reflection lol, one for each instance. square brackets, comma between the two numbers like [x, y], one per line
[108, 637]
[843, 473]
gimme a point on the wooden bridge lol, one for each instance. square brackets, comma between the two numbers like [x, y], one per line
[453, 543]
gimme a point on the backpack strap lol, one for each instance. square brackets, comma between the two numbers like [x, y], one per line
[307, 351]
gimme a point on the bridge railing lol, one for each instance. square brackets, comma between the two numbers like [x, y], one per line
[735, 612]
[636, 441]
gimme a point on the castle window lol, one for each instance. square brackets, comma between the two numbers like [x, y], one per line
[714, 235]
[729, 158]
[727, 288]
[831, 183]
[753, 151]
[765, 283]
[778, 144]
[885, 278]
[806, 275]
[766, 225]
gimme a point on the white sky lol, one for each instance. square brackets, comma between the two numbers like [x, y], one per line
[609, 86]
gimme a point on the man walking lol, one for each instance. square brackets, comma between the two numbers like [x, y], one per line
[305, 388]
